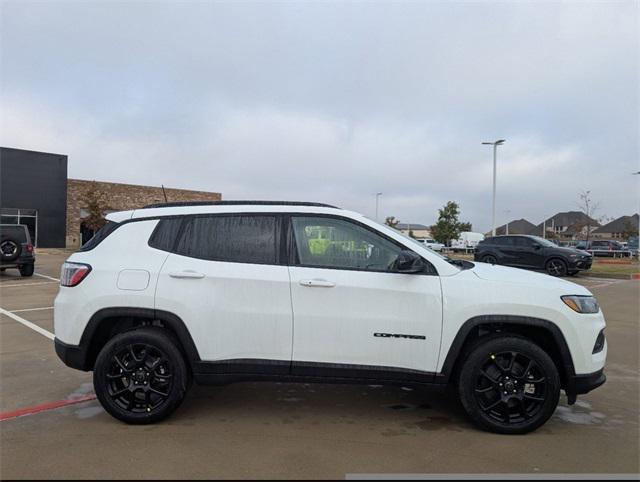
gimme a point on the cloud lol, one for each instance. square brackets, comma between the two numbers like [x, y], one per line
[335, 102]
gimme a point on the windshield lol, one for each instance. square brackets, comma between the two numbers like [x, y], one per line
[544, 242]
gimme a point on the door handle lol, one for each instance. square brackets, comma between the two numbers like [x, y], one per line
[320, 283]
[186, 274]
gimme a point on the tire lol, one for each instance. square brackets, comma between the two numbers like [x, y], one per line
[140, 376]
[10, 249]
[489, 258]
[501, 364]
[556, 267]
[26, 270]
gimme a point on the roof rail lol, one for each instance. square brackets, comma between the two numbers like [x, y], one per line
[236, 203]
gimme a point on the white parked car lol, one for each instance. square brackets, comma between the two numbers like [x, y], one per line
[234, 291]
[467, 241]
[432, 244]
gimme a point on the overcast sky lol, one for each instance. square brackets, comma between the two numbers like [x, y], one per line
[333, 102]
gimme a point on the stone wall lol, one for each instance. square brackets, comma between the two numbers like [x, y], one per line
[120, 197]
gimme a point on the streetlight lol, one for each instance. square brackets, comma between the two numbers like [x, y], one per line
[378, 194]
[493, 211]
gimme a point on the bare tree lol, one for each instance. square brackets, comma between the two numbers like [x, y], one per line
[589, 207]
[95, 209]
[391, 221]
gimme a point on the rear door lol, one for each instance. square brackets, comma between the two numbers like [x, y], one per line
[354, 316]
[227, 281]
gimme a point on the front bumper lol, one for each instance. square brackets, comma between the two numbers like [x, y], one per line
[581, 263]
[581, 384]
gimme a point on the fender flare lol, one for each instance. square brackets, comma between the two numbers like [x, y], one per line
[172, 321]
[455, 350]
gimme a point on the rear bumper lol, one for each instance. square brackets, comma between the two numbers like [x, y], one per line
[72, 355]
[21, 261]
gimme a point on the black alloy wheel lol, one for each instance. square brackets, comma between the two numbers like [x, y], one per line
[509, 385]
[140, 376]
[556, 267]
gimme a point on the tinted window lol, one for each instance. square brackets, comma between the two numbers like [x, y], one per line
[522, 242]
[97, 238]
[336, 243]
[165, 235]
[239, 239]
[503, 241]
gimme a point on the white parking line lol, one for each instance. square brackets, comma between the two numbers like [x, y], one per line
[32, 309]
[2, 285]
[28, 324]
[45, 276]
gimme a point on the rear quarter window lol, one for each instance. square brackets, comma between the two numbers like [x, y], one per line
[100, 236]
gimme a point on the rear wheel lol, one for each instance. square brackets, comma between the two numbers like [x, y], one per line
[26, 270]
[509, 385]
[556, 267]
[491, 259]
[140, 376]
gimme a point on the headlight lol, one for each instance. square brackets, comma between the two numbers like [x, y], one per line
[581, 304]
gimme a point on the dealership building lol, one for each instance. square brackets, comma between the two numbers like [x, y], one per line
[35, 191]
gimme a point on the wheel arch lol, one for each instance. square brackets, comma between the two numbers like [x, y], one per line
[543, 332]
[108, 322]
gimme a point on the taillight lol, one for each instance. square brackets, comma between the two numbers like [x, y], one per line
[29, 248]
[73, 273]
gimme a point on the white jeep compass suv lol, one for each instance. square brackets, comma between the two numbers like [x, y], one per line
[234, 291]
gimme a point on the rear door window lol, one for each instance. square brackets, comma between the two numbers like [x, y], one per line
[232, 238]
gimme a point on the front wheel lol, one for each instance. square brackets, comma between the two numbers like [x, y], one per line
[509, 385]
[140, 376]
[556, 267]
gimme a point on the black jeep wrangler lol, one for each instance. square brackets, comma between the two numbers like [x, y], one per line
[16, 250]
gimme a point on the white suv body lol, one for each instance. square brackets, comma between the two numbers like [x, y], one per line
[308, 292]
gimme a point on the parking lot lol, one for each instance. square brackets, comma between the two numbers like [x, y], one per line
[52, 427]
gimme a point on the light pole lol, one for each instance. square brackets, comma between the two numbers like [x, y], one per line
[635, 174]
[507, 212]
[495, 145]
[378, 194]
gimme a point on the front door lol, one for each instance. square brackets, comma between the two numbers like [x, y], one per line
[354, 316]
[227, 282]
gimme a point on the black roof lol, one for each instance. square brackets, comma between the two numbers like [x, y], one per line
[236, 203]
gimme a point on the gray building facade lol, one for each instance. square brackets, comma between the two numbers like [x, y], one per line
[33, 191]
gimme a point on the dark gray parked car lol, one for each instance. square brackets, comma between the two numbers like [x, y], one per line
[532, 252]
[16, 250]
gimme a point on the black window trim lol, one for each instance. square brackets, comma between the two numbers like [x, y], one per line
[293, 251]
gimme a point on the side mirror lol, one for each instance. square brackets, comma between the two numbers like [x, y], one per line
[409, 262]
[536, 246]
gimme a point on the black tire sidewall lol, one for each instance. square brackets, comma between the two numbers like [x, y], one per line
[467, 382]
[26, 270]
[151, 336]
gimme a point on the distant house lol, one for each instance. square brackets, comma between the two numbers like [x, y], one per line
[616, 228]
[568, 225]
[420, 231]
[517, 226]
